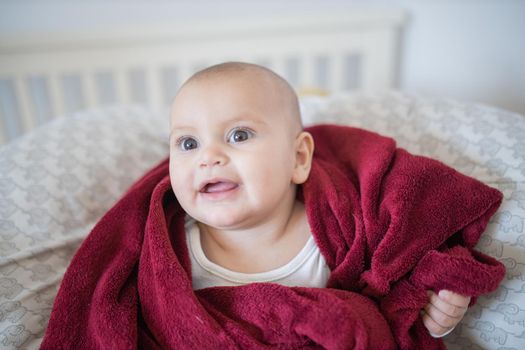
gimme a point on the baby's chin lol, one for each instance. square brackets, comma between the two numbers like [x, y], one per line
[221, 222]
[220, 217]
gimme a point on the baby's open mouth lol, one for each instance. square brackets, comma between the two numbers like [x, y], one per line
[219, 186]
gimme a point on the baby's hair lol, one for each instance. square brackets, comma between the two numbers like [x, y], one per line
[237, 67]
[241, 67]
[228, 67]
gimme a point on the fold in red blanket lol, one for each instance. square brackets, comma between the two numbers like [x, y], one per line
[390, 225]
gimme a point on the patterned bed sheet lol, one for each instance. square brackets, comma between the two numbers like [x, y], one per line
[57, 181]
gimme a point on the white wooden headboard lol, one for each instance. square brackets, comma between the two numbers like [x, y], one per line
[53, 75]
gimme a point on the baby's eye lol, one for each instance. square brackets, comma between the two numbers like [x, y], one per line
[240, 135]
[187, 143]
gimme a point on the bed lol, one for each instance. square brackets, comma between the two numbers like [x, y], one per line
[84, 115]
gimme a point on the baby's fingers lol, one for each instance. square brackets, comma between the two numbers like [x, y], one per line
[449, 303]
[433, 327]
[454, 298]
[440, 318]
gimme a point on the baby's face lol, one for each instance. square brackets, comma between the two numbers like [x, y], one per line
[231, 150]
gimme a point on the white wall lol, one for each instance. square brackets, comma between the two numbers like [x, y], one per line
[466, 49]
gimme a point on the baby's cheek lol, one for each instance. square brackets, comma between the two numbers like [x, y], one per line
[183, 197]
[178, 188]
[177, 184]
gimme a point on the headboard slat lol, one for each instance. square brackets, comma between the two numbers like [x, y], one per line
[121, 85]
[24, 103]
[154, 85]
[56, 94]
[89, 88]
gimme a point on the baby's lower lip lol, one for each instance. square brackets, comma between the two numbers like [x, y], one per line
[219, 191]
[220, 186]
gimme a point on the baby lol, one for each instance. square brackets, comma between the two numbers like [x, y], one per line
[238, 153]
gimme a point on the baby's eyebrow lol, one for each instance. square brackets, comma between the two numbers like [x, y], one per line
[247, 120]
[191, 129]
[179, 129]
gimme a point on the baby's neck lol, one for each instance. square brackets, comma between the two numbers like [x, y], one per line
[260, 248]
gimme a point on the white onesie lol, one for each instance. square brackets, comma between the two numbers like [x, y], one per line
[306, 269]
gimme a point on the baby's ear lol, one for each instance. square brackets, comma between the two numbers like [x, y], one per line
[304, 150]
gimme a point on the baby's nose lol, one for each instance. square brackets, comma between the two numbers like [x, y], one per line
[212, 156]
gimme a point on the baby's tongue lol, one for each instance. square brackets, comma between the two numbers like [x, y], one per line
[220, 186]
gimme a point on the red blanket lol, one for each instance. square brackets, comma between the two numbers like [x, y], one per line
[389, 224]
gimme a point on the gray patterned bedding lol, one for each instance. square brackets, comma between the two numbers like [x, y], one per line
[57, 181]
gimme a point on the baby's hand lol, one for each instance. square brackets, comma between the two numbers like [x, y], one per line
[444, 311]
